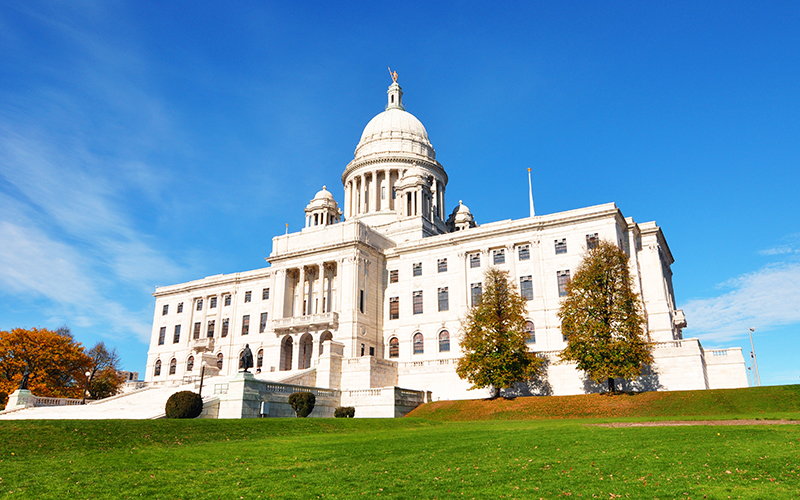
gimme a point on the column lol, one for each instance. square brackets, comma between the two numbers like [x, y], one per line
[296, 352]
[347, 200]
[320, 295]
[374, 192]
[301, 292]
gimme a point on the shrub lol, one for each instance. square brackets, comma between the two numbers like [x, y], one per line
[184, 404]
[302, 403]
[344, 412]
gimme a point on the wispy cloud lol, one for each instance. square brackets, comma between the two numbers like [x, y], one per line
[762, 299]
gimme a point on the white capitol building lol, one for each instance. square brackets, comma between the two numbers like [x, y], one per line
[366, 298]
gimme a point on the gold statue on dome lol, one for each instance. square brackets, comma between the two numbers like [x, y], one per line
[393, 74]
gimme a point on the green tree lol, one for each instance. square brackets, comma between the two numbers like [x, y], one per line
[493, 338]
[602, 319]
[104, 379]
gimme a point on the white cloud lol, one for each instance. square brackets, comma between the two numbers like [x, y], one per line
[763, 299]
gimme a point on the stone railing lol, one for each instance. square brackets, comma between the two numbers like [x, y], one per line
[40, 401]
[204, 344]
[429, 362]
[316, 321]
[717, 352]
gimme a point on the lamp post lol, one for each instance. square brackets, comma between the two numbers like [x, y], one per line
[753, 355]
[202, 374]
[86, 387]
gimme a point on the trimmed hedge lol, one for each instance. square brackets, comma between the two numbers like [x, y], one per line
[184, 404]
[302, 403]
[344, 412]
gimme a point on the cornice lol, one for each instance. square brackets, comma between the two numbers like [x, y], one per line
[409, 158]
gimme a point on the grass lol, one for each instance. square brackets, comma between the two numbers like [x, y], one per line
[402, 458]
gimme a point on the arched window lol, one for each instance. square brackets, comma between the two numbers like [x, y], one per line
[444, 341]
[324, 338]
[220, 357]
[419, 343]
[260, 358]
[157, 368]
[531, 333]
[287, 346]
[190, 364]
[173, 366]
[394, 347]
[306, 346]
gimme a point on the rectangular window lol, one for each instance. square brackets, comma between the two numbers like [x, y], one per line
[563, 279]
[212, 303]
[248, 296]
[592, 241]
[180, 307]
[383, 192]
[199, 304]
[210, 329]
[476, 290]
[444, 299]
[245, 324]
[526, 287]
[499, 256]
[394, 307]
[176, 337]
[561, 246]
[524, 252]
[361, 305]
[393, 276]
[165, 310]
[265, 294]
[417, 301]
[263, 325]
[474, 260]
[417, 269]
[228, 300]
[441, 265]
[196, 333]
[225, 323]
[162, 334]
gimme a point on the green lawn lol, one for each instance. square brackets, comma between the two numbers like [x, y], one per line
[403, 458]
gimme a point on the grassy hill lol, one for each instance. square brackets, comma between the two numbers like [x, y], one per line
[755, 402]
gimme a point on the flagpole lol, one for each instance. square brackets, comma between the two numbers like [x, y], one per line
[530, 192]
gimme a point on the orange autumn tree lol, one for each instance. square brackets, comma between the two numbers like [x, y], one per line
[56, 362]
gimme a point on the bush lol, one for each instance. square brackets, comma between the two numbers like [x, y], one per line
[302, 403]
[184, 404]
[344, 412]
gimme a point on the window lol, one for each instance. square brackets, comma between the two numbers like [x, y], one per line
[531, 333]
[173, 366]
[212, 303]
[499, 256]
[248, 296]
[361, 301]
[419, 344]
[157, 368]
[176, 337]
[245, 324]
[228, 300]
[393, 276]
[199, 304]
[260, 359]
[444, 341]
[265, 294]
[441, 265]
[526, 287]
[162, 334]
[190, 364]
[592, 241]
[180, 307]
[210, 329]
[444, 299]
[417, 268]
[563, 337]
[417, 300]
[383, 192]
[476, 290]
[474, 260]
[524, 252]
[561, 246]
[563, 279]
[219, 360]
[196, 334]
[394, 347]
[394, 307]
[165, 310]
[263, 324]
[225, 323]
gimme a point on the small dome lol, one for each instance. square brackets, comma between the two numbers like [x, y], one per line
[462, 213]
[322, 199]
[323, 195]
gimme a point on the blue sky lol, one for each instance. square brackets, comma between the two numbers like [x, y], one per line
[151, 143]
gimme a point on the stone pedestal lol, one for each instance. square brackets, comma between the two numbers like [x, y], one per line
[21, 398]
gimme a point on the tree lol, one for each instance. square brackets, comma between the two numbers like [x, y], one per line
[493, 338]
[602, 318]
[56, 363]
[104, 379]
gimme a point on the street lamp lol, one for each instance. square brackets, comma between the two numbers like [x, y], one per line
[202, 374]
[86, 387]
[753, 355]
